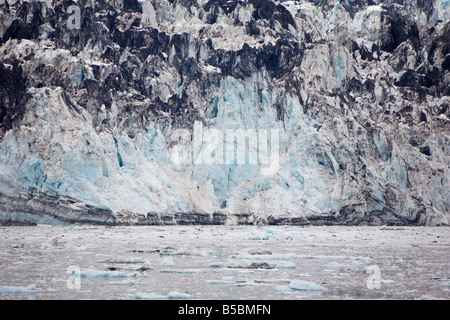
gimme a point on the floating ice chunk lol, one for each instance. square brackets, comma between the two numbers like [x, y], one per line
[282, 264]
[220, 281]
[357, 258]
[274, 256]
[208, 251]
[150, 296]
[271, 234]
[336, 264]
[249, 264]
[188, 271]
[92, 273]
[387, 281]
[216, 264]
[279, 234]
[178, 295]
[127, 261]
[259, 252]
[329, 271]
[122, 283]
[27, 258]
[257, 235]
[304, 285]
[445, 286]
[304, 292]
[283, 288]
[244, 264]
[11, 289]
[187, 251]
[167, 263]
[426, 297]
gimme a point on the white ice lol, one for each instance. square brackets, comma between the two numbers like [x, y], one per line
[304, 285]
[12, 289]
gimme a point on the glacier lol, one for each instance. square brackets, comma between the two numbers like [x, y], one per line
[97, 123]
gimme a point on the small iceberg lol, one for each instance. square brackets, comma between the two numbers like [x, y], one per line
[304, 285]
[271, 234]
[445, 286]
[170, 295]
[150, 296]
[178, 295]
[11, 289]
[92, 273]
[220, 281]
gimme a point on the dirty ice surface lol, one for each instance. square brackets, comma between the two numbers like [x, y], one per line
[224, 262]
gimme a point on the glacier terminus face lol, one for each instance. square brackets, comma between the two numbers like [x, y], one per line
[144, 112]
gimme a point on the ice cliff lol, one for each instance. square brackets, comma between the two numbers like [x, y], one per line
[100, 103]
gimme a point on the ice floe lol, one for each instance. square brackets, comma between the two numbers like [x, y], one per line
[304, 285]
[12, 289]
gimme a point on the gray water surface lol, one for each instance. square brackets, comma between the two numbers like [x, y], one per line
[224, 262]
